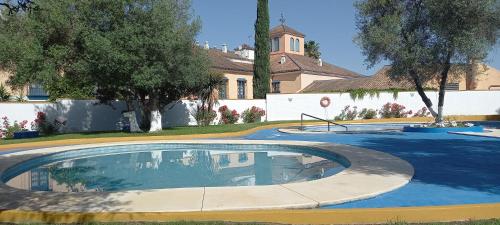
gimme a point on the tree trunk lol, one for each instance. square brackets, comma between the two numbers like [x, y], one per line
[132, 117]
[155, 116]
[442, 90]
[421, 92]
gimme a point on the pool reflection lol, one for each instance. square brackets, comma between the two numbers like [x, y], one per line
[174, 169]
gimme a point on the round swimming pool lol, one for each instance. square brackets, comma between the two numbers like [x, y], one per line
[160, 166]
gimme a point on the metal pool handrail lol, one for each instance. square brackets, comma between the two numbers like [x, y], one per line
[314, 117]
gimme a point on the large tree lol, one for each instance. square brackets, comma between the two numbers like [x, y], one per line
[423, 39]
[40, 47]
[261, 66]
[145, 51]
[135, 50]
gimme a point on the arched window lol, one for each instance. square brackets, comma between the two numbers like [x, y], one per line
[292, 48]
[276, 44]
[297, 45]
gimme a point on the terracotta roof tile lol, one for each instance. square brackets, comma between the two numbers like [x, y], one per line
[222, 62]
[284, 29]
[305, 64]
[379, 81]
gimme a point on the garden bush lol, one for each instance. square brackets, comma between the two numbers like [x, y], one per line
[228, 116]
[7, 130]
[394, 110]
[204, 116]
[42, 125]
[347, 113]
[252, 115]
[424, 112]
[4, 94]
[367, 114]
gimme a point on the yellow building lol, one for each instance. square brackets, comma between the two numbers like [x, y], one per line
[291, 70]
[478, 76]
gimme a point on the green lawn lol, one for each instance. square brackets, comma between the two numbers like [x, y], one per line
[166, 132]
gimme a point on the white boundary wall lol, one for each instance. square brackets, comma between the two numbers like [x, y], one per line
[84, 115]
[290, 106]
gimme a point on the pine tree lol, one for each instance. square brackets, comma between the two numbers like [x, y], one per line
[261, 65]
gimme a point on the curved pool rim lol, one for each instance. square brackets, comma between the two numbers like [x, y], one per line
[92, 152]
[371, 173]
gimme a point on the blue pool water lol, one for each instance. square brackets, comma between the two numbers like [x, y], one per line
[449, 169]
[358, 127]
[158, 166]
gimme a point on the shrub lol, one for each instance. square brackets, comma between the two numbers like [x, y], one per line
[4, 94]
[7, 130]
[347, 113]
[228, 116]
[42, 125]
[424, 112]
[367, 114]
[394, 110]
[204, 116]
[253, 114]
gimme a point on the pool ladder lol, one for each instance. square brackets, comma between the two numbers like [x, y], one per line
[314, 117]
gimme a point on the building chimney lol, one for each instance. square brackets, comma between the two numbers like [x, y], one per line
[207, 46]
[283, 59]
[320, 62]
[224, 48]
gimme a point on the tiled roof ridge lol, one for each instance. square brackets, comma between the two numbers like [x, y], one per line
[295, 62]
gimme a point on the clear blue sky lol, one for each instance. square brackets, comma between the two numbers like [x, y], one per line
[329, 22]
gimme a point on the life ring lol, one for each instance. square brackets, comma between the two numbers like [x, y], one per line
[325, 102]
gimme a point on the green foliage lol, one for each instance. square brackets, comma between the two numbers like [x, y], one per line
[262, 65]
[42, 125]
[347, 113]
[4, 94]
[367, 114]
[204, 116]
[253, 114]
[7, 130]
[423, 38]
[311, 49]
[394, 110]
[41, 46]
[124, 49]
[228, 116]
[361, 93]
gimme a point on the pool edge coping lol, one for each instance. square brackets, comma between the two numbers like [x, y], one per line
[382, 171]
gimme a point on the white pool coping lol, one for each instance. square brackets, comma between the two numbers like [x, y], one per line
[371, 173]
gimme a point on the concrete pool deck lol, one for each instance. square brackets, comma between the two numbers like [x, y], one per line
[371, 173]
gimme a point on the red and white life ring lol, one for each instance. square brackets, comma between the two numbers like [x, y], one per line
[325, 102]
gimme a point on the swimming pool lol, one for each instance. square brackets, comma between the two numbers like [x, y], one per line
[159, 166]
[196, 175]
